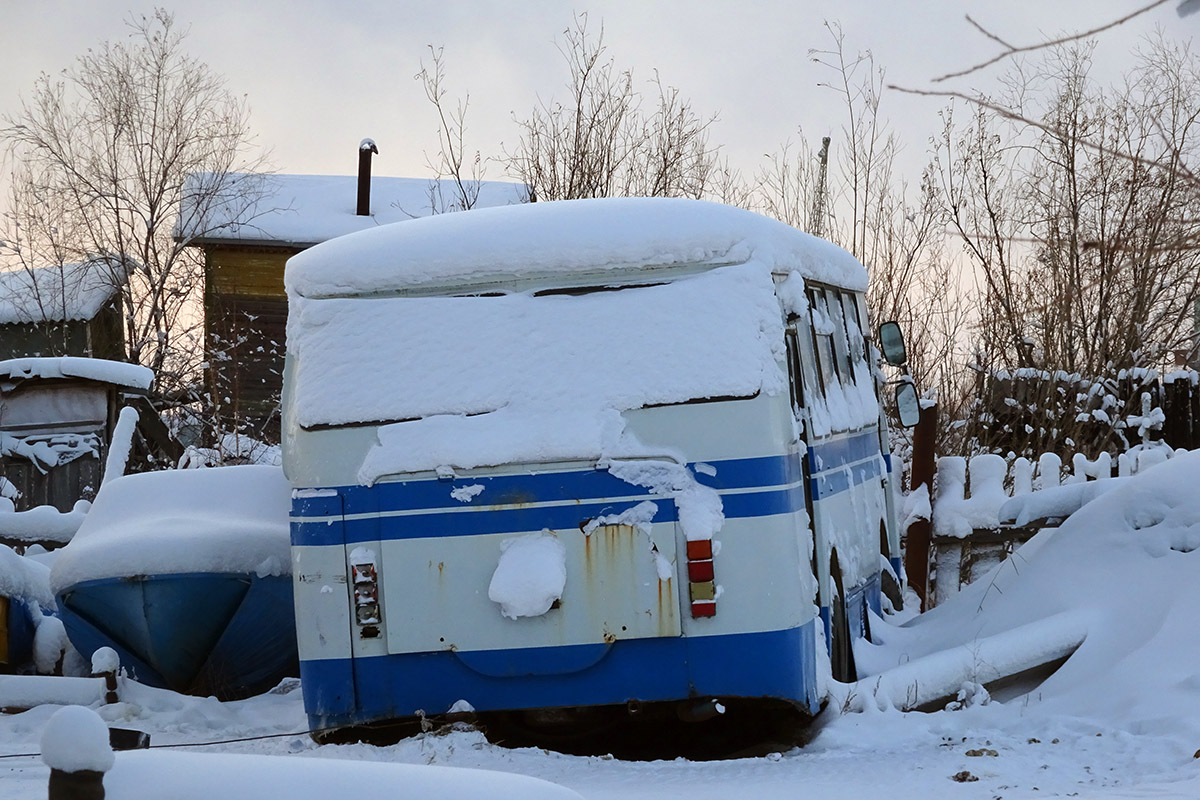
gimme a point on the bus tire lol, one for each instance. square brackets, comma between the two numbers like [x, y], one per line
[891, 589]
[841, 651]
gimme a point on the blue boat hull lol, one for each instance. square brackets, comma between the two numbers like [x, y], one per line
[19, 629]
[224, 635]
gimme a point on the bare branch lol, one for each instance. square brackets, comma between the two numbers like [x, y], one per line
[1010, 50]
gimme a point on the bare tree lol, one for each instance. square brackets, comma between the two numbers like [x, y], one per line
[1081, 229]
[599, 142]
[465, 173]
[109, 148]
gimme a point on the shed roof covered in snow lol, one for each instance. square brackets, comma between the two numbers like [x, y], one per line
[494, 246]
[58, 293]
[302, 210]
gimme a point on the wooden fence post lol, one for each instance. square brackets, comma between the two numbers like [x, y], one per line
[920, 532]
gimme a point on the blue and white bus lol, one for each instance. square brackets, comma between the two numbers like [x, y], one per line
[565, 460]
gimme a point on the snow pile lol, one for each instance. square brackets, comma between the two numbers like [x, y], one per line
[202, 776]
[957, 515]
[1124, 566]
[530, 575]
[76, 739]
[24, 579]
[132, 376]
[58, 293]
[225, 519]
[572, 237]
[303, 210]
[41, 523]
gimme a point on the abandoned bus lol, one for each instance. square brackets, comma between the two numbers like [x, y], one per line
[563, 459]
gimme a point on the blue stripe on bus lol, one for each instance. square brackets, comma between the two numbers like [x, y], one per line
[775, 664]
[835, 482]
[524, 496]
[836, 453]
[473, 523]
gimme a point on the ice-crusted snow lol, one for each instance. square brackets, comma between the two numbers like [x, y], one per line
[530, 575]
[223, 519]
[76, 739]
[465, 494]
[494, 245]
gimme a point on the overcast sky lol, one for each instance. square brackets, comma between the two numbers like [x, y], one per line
[320, 75]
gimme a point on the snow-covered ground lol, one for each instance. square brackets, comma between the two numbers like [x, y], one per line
[1121, 719]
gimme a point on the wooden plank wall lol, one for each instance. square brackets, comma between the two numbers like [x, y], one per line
[245, 326]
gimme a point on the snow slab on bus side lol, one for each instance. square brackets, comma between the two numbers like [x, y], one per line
[221, 519]
[517, 378]
[492, 245]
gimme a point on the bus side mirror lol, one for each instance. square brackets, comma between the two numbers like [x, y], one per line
[908, 406]
[891, 339]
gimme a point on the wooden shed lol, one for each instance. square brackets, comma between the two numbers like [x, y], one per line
[62, 310]
[57, 417]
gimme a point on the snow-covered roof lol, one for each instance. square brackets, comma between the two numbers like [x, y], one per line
[494, 246]
[222, 519]
[303, 210]
[132, 376]
[528, 376]
[58, 293]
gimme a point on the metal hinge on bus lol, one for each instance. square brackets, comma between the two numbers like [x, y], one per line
[702, 588]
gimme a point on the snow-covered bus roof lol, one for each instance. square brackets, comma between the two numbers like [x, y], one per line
[452, 335]
[512, 245]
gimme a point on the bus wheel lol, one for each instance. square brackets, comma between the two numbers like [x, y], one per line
[841, 653]
[891, 589]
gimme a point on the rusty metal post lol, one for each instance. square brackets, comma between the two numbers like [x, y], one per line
[920, 533]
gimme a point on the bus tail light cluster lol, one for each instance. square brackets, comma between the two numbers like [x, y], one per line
[702, 588]
[365, 581]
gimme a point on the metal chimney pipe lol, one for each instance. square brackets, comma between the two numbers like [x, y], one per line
[365, 148]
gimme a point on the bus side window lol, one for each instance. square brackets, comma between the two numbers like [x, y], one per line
[822, 329]
[854, 327]
[841, 340]
[795, 373]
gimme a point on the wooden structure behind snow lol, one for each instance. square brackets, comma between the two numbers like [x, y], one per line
[985, 508]
[245, 250]
[56, 422]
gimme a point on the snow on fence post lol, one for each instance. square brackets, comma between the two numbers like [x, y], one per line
[105, 663]
[75, 747]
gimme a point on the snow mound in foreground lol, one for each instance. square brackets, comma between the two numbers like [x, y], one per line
[1127, 564]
